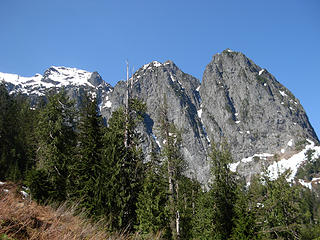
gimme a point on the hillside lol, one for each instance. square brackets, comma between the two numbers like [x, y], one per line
[21, 218]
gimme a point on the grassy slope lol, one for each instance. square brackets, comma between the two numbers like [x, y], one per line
[21, 218]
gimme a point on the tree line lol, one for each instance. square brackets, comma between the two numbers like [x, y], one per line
[63, 154]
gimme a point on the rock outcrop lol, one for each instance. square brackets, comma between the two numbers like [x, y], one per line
[237, 102]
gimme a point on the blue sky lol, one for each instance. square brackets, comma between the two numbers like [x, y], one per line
[99, 35]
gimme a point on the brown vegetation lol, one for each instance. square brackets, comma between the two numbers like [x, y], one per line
[21, 218]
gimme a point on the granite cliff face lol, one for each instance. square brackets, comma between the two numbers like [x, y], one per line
[248, 107]
[154, 82]
[237, 101]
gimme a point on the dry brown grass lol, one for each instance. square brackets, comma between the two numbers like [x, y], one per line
[24, 219]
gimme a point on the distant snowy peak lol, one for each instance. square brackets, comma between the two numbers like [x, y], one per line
[54, 77]
[64, 76]
[16, 79]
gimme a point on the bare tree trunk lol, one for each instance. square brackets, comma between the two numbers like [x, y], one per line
[171, 202]
[172, 185]
[126, 137]
[193, 204]
[177, 212]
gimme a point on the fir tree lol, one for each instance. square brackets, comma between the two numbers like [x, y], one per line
[216, 208]
[17, 122]
[174, 164]
[223, 191]
[56, 142]
[152, 211]
[280, 217]
[244, 216]
[8, 133]
[85, 169]
[121, 179]
[188, 192]
[202, 222]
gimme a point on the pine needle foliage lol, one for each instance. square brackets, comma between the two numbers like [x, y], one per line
[85, 169]
[56, 141]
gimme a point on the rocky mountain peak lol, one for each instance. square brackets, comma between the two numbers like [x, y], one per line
[237, 101]
[63, 76]
[246, 106]
[95, 79]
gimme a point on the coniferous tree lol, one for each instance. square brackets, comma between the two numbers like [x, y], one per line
[56, 141]
[165, 187]
[122, 166]
[215, 211]
[17, 122]
[85, 169]
[280, 217]
[8, 133]
[223, 191]
[27, 121]
[174, 165]
[202, 222]
[152, 206]
[188, 192]
[244, 216]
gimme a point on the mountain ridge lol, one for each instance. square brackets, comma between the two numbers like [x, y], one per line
[237, 101]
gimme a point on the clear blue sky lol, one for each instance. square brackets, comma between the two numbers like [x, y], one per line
[282, 36]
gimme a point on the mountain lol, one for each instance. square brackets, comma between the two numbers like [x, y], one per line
[236, 101]
[244, 104]
[73, 80]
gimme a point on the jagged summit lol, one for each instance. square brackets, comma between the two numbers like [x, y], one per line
[245, 105]
[63, 76]
[237, 101]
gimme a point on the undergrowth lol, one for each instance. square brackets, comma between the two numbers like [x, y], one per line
[21, 218]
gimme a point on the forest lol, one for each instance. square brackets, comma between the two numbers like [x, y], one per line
[67, 155]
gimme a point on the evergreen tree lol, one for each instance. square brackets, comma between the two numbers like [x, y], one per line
[216, 208]
[17, 122]
[223, 191]
[56, 142]
[122, 164]
[26, 139]
[244, 216]
[280, 217]
[85, 169]
[167, 201]
[8, 133]
[175, 165]
[202, 222]
[152, 210]
[188, 192]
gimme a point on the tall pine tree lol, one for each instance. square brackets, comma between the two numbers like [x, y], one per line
[86, 166]
[152, 206]
[216, 208]
[122, 165]
[17, 123]
[56, 143]
[174, 165]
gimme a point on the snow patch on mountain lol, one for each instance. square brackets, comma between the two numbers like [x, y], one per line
[54, 77]
[292, 163]
[22, 81]
[283, 93]
[261, 71]
[262, 156]
[278, 167]
[149, 65]
[68, 76]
